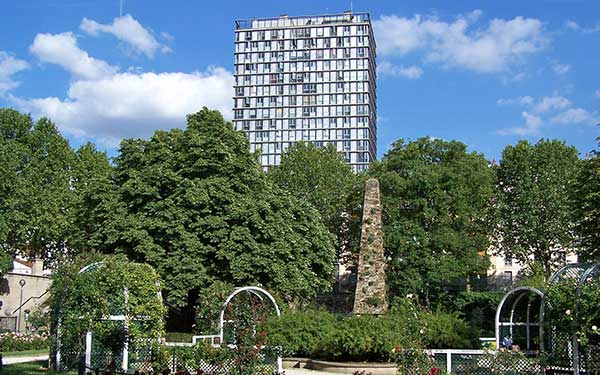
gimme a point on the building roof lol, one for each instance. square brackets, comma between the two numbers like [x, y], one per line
[298, 21]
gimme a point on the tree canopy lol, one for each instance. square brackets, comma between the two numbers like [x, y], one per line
[532, 208]
[36, 186]
[196, 205]
[317, 175]
[435, 197]
[320, 176]
[42, 180]
[585, 195]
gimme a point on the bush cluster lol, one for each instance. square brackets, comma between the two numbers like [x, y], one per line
[17, 342]
[321, 335]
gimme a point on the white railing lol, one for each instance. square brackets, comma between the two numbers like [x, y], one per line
[450, 352]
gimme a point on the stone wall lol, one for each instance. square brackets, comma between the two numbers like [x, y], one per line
[370, 295]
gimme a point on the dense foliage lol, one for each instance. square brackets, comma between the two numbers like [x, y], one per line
[111, 285]
[41, 181]
[320, 176]
[6, 262]
[196, 205]
[319, 334]
[533, 212]
[435, 197]
[478, 308]
[574, 312]
[585, 195]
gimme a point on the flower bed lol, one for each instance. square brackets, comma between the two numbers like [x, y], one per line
[14, 342]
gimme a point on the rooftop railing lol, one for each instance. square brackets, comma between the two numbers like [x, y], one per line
[287, 21]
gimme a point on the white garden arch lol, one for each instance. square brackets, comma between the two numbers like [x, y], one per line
[522, 307]
[217, 339]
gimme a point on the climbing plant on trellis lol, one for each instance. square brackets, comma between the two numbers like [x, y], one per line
[100, 309]
[562, 320]
[239, 325]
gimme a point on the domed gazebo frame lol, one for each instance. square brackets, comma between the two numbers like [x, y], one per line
[522, 299]
[519, 299]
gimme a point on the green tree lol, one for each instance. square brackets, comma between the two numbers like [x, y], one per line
[36, 191]
[196, 205]
[317, 175]
[585, 196]
[320, 176]
[435, 197]
[96, 208]
[532, 207]
[6, 262]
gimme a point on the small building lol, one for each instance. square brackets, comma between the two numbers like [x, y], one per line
[22, 291]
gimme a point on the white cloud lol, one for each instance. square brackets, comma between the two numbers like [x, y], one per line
[166, 36]
[128, 30]
[525, 100]
[532, 126]
[542, 105]
[576, 27]
[133, 105]
[487, 50]
[62, 50]
[561, 69]
[8, 67]
[553, 109]
[549, 103]
[572, 25]
[410, 72]
[574, 116]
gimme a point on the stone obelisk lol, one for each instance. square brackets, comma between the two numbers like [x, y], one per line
[370, 297]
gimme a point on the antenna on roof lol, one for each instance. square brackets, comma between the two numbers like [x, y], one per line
[351, 6]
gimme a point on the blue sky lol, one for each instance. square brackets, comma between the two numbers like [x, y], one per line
[485, 73]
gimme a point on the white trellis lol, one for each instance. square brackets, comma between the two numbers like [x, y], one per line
[217, 339]
[522, 299]
[89, 334]
[528, 307]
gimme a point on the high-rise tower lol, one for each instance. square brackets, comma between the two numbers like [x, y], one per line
[309, 78]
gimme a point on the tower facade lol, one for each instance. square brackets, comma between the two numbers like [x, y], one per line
[309, 78]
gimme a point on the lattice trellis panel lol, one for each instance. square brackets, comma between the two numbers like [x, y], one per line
[266, 366]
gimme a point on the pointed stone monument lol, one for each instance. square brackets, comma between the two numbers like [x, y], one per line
[370, 297]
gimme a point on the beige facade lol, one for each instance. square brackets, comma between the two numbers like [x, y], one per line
[26, 286]
[508, 270]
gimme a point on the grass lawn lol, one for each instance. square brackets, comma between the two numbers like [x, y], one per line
[30, 368]
[25, 353]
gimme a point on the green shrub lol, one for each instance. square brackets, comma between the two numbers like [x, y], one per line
[299, 332]
[447, 331]
[358, 338]
[17, 342]
[412, 361]
[320, 335]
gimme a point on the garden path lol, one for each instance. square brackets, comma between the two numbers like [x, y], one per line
[301, 371]
[34, 358]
